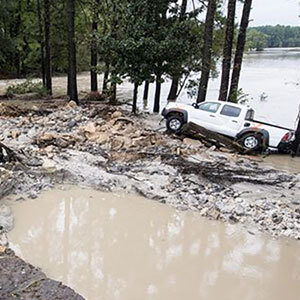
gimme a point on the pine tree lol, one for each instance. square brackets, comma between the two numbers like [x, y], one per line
[72, 73]
[94, 54]
[207, 50]
[48, 63]
[240, 51]
[227, 53]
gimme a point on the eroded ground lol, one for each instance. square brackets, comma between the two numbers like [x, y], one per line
[108, 149]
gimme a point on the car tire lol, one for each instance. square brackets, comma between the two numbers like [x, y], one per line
[285, 148]
[251, 141]
[174, 123]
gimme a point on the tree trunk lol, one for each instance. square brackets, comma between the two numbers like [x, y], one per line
[135, 94]
[114, 33]
[17, 59]
[41, 41]
[146, 90]
[174, 89]
[207, 50]
[239, 51]
[48, 67]
[105, 78]
[72, 73]
[227, 54]
[94, 56]
[113, 94]
[183, 9]
[157, 94]
[296, 143]
[175, 79]
[146, 94]
[68, 79]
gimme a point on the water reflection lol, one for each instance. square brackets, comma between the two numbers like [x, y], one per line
[109, 246]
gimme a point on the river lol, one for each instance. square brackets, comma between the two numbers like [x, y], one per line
[120, 246]
[273, 73]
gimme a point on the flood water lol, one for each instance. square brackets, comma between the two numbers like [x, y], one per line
[273, 73]
[283, 163]
[117, 246]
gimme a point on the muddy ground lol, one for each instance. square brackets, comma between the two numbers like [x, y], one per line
[20, 280]
[109, 149]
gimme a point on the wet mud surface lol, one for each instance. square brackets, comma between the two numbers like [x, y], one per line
[20, 280]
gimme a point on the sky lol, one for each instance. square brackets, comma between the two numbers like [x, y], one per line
[268, 12]
[273, 12]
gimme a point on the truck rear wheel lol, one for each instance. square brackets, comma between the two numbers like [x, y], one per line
[174, 123]
[251, 141]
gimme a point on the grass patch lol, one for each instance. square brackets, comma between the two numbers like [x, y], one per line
[26, 87]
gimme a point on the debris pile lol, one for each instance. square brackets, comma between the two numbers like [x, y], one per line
[107, 148]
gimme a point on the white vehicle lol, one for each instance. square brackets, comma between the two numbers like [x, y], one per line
[232, 120]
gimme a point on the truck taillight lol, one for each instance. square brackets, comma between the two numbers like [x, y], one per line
[288, 137]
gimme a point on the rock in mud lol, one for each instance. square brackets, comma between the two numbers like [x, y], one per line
[6, 218]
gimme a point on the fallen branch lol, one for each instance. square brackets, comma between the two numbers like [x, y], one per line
[208, 138]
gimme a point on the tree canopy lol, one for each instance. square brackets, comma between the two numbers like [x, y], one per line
[276, 36]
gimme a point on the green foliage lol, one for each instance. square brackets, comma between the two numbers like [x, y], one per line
[20, 39]
[141, 39]
[240, 97]
[256, 40]
[26, 87]
[192, 87]
[136, 39]
[280, 36]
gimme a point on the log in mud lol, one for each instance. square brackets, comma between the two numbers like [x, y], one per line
[211, 138]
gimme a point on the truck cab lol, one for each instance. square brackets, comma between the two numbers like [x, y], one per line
[224, 118]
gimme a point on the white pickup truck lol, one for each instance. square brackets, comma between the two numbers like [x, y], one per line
[232, 120]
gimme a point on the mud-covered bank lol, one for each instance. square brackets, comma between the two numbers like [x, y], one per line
[20, 280]
[108, 149]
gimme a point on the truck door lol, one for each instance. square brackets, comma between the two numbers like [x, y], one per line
[206, 115]
[229, 120]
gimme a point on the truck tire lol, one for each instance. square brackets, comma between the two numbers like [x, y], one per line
[174, 123]
[251, 141]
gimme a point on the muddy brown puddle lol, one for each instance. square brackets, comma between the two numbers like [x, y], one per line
[119, 246]
[283, 163]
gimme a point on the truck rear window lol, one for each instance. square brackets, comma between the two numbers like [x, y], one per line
[230, 111]
[250, 115]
